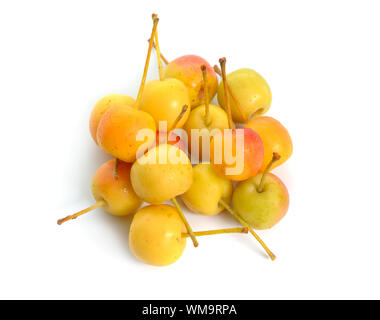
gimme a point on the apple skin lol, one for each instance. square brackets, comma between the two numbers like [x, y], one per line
[188, 70]
[250, 89]
[103, 105]
[218, 120]
[275, 138]
[118, 129]
[261, 210]
[164, 101]
[206, 191]
[156, 182]
[170, 138]
[117, 193]
[155, 235]
[253, 154]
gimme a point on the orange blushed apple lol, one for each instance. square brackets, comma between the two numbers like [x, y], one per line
[118, 129]
[103, 105]
[112, 189]
[275, 138]
[117, 193]
[188, 70]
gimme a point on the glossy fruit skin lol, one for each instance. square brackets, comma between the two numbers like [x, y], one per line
[218, 120]
[170, 138]
[250, 89]
[118, 194]
[164, 101]
[206, 191]
[188, 70]
[275, 138]
[253, 153]
[261, 210]
[118, 129]
[155, 235]
[158, 182]
[103, 105]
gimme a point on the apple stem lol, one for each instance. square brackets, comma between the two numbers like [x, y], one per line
[238, 105]
[158, 53]
[245, 224]
[275, 157]
[219, 231]
[205, 85]
[138, 99]
[166, 61]
[115, 168]
[222, 62]
[180, 116]
[188, 228]
[75, 215]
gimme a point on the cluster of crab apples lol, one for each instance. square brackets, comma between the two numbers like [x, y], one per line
[172, 142]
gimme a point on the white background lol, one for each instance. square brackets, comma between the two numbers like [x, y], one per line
[321, 59]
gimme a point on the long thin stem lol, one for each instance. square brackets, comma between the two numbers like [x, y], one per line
[76, 215]
[158, 53]
[188, 228]
[185, 107]
[222, 62]
[218, 231]
[275, 157]
[143, 80]
[166, 61]
[242, 222]
[238, 105]
[207, 105]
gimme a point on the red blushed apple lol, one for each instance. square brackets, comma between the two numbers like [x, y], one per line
[234, 158]
[116, 192]
[188, 70]
[112, 189]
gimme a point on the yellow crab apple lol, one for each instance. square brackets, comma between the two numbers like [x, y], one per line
[252, 92]
[120, 125]
[158, 236]
[187, 70]
[275, 138]
[164, 100]
[201, 123]
[161, 174]
[206, 191]
[263, 200]
[103, 105]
